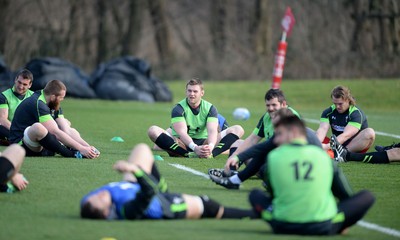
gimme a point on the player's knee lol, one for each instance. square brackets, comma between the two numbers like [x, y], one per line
[37, 129]
[211, 207]
[370, 133]
[153, 132]
[237, 130]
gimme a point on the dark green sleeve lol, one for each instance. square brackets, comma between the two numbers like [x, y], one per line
[340, 186]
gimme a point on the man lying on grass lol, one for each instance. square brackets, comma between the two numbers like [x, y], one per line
[143, 195]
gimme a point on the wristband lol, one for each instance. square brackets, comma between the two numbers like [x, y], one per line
[192, 145]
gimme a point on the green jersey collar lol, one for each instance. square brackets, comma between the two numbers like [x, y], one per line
[42, 97]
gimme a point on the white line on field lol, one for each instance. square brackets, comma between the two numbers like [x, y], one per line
[364, 224]
[188, 169]
[376, 132]
[373, 226]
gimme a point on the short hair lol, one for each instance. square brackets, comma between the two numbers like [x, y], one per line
[88, 211]
[54, 87]
[292, 122]
[25, 74]
[275, 93]
[343, 92]
[283, 112]
[195, 81]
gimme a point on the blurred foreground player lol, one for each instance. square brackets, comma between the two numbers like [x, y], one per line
[10, 163]
[143, 195]
[303, 183]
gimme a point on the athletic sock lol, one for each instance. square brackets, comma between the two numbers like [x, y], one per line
[235, 179]
[239, 213]
[225, 143]
[167, 143]
[373, 157]
[232, 150]
[51, 143]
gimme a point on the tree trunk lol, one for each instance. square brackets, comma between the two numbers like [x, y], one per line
[161, 32]
[102, 31]
[3, 26]
[217, 27]
[131, 40]
[262, 34]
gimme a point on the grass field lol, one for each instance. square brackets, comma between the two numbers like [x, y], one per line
[49, 208]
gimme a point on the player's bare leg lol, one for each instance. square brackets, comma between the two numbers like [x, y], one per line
[362, 141]
[394, 154]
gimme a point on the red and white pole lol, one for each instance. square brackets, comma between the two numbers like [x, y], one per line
[287, 25]
[279, 63]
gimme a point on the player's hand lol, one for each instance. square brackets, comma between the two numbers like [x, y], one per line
[124, 166]
[88, 152]
[231, 162]
[19, 181]
[206, 151]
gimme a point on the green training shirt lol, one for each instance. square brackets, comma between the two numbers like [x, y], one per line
[196, 119]
[10, 100]
[300, 177]
[264, 128]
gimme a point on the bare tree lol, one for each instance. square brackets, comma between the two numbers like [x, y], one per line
[131, 38]
[217, 26]
[3, 26]
[161, 32]
[102, 31]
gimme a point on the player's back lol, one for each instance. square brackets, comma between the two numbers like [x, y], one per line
[301, 176]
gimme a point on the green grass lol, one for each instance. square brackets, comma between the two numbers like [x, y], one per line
[49, 208]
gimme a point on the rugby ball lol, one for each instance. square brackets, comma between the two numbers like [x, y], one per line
[241, 114]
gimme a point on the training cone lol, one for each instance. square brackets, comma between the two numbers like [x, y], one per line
[117, 139]
[158, 158]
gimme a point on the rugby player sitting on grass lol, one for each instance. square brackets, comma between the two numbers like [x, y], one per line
[258, 153]
[303, 182]
[274, 100]
[10, 163]
[386, 155]
[194, 126]
[10, 99]
[347, 122]
[143, 195]
[35, 126]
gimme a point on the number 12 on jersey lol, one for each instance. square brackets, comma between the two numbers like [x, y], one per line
[302, 170]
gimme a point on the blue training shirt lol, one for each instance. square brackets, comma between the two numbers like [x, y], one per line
[123, 192]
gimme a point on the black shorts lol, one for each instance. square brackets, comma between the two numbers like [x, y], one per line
[173, 205]
[6, 170]
[314, 228]
[43, 153]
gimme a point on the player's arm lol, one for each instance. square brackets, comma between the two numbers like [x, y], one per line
[250, 141]
[4, 112]
[65, 126]
[4, 118]
[148, 188]
[352, 127]
[61, 136]
[212, 127]
[340, 186]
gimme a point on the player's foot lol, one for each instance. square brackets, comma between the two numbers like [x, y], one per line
[385, 148]
[192, 155]
[225, 182]
[339, 152]
[219, 172]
